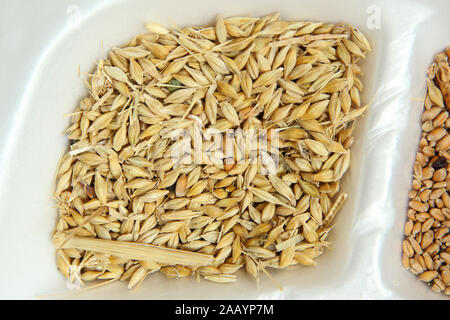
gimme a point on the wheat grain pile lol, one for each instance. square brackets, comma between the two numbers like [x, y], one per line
[203, 150]
[426, 247]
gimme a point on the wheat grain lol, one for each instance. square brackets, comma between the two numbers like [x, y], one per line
[426, 245]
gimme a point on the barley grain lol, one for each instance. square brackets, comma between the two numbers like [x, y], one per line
[209, 149]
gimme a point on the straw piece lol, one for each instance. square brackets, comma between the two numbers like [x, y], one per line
[139, 251]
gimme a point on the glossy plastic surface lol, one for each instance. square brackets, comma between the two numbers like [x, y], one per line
[44, 43]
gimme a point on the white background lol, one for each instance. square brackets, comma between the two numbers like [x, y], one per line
[41, 49]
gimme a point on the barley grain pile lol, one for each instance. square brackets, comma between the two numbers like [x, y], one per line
[426, 247]
[266, 109]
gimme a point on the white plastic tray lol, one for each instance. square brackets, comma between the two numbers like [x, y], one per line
[43, 44]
